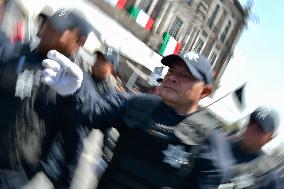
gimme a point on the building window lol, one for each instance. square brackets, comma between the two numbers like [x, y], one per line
[204, 33]
[198, 46]
[189, 2]
[145, 5]
[213, 16]
[224, 34]
[175, 27]
[212, 58]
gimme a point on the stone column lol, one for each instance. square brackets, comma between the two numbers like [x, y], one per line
[167, 18]
[152, 6]
[186, 38]
[182, 33]
[191, 37]
[137, 2]
[161, 15]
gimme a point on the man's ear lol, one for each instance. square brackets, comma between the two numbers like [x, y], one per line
[207, 90]
[266, 138]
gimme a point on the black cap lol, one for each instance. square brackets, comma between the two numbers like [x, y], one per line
[197, 64]
[112, 56]
[266, 117]
[66, 19]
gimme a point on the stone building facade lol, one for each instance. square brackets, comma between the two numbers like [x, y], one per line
[209, 27]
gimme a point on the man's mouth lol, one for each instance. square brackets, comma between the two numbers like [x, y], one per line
[167, 87]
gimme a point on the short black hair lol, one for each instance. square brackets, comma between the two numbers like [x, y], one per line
[100, 56]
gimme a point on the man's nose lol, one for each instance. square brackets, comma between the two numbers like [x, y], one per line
[173, 78]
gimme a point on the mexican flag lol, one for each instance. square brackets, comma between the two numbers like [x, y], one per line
[169, 45]
[141, 18]
[117, 3]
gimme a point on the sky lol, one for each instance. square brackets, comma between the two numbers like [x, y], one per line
[259, 60]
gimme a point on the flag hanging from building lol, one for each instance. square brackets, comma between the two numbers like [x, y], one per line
[141, 18]
[117, 3]
[239, 93]
[169, 45]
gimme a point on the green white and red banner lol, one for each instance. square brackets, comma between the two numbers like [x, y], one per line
[141, 18]
[117, 3]
[169, 45]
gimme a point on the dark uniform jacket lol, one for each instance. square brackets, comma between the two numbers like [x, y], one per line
[268, 180]
[63, 158]
[148, 153]
[29, 116]
[34, 133]
[25, 104]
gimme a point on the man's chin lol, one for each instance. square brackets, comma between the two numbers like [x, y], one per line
[167, 96]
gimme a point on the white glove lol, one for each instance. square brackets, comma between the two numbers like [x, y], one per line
[61, 74]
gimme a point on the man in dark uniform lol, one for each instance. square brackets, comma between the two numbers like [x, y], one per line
[253, 165]
[102, 70]
[104, 83]
[30, 116]
[101, 66]
[166, 141]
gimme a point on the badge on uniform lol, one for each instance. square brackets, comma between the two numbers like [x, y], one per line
[227, 186]
[240, 182]
[25, 83]
[244, 181]
[176, 156]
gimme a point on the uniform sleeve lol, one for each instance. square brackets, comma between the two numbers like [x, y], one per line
[92, 110]
[279, 174]
[212, 164]
[219, 161]
[270, 181]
